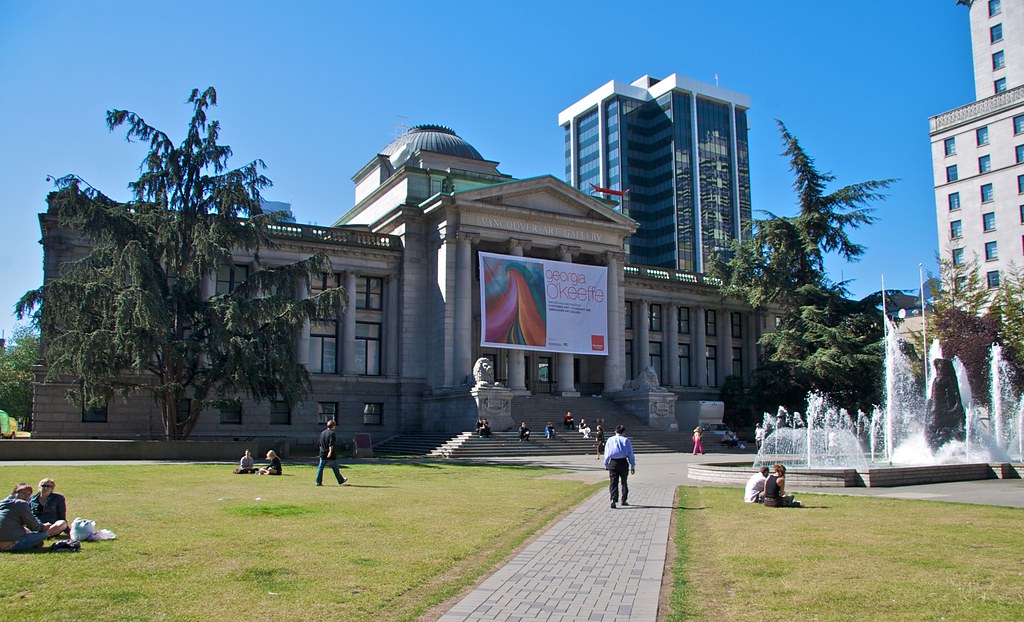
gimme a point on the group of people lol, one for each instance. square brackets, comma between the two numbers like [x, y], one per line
[768, 487]
[27, 519]
[247, 464]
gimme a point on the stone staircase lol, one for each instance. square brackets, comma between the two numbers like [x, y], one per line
[536, 411]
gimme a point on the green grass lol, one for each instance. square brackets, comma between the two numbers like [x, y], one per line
[845, 558]
[195, 542]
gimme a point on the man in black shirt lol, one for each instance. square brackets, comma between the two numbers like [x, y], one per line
[328, 455]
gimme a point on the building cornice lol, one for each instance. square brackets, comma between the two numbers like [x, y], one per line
[976, 110]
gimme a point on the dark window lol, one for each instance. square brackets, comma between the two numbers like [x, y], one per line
[684, 312]
[988, 221]
[1020, 184]
[984, 164]
[231, 414]
[368, 348]
[954, 201]
[737, 325]
[956, 229]
[1019, 152]
[986, 193]
[998, 60]
[995, 33]
[737, 362]
[999, 85]
[958, 256]
[94, 414]
[654, 316]
[373, 413]
[369, 293]
[995, 7]
[991, 251]
[950, 146]
[628, 318]
[710, 323]
[230, 277]
[326, 411]
[992, 279]
[184, 409]
[1018, 124]
[323, 347]
[280, 413]
[711, 365]
[655, 354]
[951, 174]
[684, 364]
[1021, 209]
[982, 135]
[628, 347]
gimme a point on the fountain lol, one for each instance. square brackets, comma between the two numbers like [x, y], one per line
[944, 426]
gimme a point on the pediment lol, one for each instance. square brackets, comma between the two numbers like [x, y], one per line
[544, 196]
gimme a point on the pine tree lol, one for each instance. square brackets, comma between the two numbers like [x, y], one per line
[134, 315]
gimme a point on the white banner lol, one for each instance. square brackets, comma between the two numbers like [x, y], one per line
[542, 305]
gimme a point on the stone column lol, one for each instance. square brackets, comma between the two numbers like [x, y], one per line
[699, 355]
[348, 327]
[464, 304]
[672, 338]
[614, 365]
[517, 358]
[566, 385]
[302, 342]
[392, 337]
[643, 338]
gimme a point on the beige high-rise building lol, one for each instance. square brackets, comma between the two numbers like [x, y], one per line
[978, 149]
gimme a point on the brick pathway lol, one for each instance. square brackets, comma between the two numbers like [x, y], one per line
[611, 573]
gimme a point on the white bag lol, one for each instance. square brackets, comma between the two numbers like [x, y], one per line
[81, 529]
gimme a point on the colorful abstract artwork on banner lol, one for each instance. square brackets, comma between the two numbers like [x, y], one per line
[549, 306]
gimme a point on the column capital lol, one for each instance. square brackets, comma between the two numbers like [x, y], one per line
[565, 249]
[618, 256]
[469, 236]
[520, 243]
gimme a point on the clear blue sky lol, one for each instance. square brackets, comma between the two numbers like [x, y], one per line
[315, 89]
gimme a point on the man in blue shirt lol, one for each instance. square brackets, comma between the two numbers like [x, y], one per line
[620, 462]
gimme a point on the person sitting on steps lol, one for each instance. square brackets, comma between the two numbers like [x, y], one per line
[524, 432]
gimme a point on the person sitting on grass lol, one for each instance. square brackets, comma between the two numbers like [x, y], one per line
[775, 490]
[274, 468]
[524, 432]
[754, 491]
[246, 464]
[47, 506]
[19, 529]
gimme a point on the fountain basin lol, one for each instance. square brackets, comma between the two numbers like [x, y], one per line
[878, 476]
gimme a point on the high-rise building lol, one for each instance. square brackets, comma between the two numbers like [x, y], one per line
[675, 151]
[978, 149]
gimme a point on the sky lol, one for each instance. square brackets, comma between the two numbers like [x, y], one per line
[316, 89]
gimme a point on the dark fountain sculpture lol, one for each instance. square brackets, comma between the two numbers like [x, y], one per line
[945, 409]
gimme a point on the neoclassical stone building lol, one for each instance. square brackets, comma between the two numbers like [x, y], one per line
[400, 358]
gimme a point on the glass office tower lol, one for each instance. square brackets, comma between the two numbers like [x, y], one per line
[680, 149]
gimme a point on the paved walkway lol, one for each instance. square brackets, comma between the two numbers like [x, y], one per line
[563, 577]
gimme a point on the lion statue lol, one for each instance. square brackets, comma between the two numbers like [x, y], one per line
[483, 372]
[646, 381]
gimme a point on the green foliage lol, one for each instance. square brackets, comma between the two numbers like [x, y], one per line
[16, 378]
[825, 341]
[133, 314]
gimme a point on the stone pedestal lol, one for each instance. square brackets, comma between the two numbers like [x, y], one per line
[656, 408]
[494, 403]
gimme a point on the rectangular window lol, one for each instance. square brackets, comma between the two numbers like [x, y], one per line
[986, 193]
[230, 277]
[950, 146]
[1021, 209]
[991, 251]
[998, 60]
[231, 414]
[323, 347]
[711, 365]
[985, 164]
[280, 413]
[737, 362]
[999, 86]
[684, 364]
[369, 292]
[1019, 152]
[684, 312]
[654, 317]
[988, 221]
[995, 7]
[958, 256]
[367, 348]
[954, 201]
[94, 414]
[995, 33]
[992, 279]
[982, 135]
[1020, 184]
[373, 413]
[1018, 124]
[628, 347]
[710, 323]
[326, 411]
[951, 174]
[736, 320]
[956, 229]
[655, 353]
[628, 319]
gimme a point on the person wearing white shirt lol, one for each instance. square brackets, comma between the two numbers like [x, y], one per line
[620, 462]
[754, 491]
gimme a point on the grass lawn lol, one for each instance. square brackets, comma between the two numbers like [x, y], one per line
[195, 542]
[846, 558]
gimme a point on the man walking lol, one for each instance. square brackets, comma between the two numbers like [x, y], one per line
[620, 462]
[327, 455]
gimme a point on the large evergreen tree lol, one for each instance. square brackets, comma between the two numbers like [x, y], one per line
[825, 341]
[134, 314]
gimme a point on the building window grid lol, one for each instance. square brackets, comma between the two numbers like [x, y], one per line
[1020, 184]
[373, 413]
[736, 321]
[998, 60]
[737, 362]
[956, 229]
[991, 251]
[951, 173]
[654, 317]
[949, 146]
[369, 293]
[683, 321]
[986, 193]
[628, 319]
[229, 278]
[95, 414]
[985, 164]
[367, 348]
[958, 256]
[995, 7]
[988, 221]
[954, 201]
[231, 414]
[711, 365]
[1018, 124]
[326, 411]
[684, 365]
[999, 86]
[710, 323]
[992, 279]
[995, 33]
[280, 413]
[654, 350]
[982, 135]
